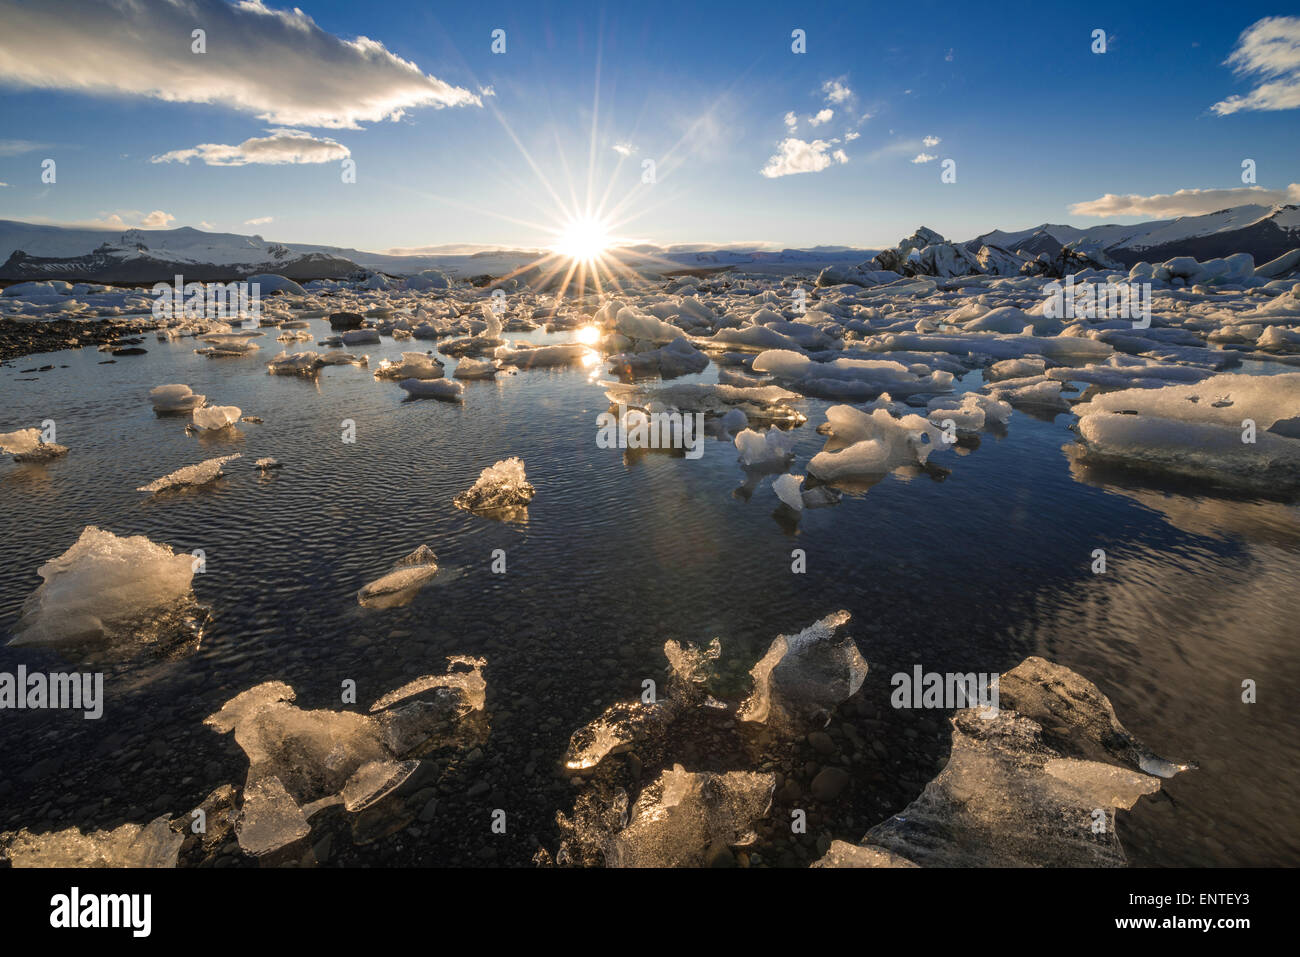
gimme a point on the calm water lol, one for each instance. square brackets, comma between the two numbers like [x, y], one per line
[971, 573]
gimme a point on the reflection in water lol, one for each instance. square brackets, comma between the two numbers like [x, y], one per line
[619, 555]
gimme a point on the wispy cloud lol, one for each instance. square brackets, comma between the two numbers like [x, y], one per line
[276, 64]
[19, 147]
[1268, 51]
[931, 141]
[259, 221]
[924, 158]
[281, 147]
[1185, 202]
[624, 149]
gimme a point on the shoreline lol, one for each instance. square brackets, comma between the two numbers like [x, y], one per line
[19, 339]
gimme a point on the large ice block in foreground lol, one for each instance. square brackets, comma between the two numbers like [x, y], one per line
[804, 676]
[103, 585]
[155, 844]
[301, 762]
[1032, 783]
[678, 817]
[1234, 429]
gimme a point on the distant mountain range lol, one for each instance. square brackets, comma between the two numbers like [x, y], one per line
[1265, 232]
[31, 251]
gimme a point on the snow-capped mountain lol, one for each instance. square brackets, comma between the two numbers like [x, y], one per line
[1265, 232]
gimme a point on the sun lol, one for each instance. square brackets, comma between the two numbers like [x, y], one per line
[582, 239]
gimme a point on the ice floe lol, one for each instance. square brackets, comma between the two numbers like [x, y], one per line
[400, 585]
[502, 485]
[191, 475]
[105, 587]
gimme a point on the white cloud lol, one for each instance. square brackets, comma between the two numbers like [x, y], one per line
[282, 146]
[923, 158]
[276, 64]
[791, 121]
[259, 221]
[624, 149]
[851, 135]
[836, 91]
[1269, 51]
[126, 219]
[206, 225]
[19, 147]
[931, 141]
[1186, 202]
[487, 91]
[797, 156]
[822, 116]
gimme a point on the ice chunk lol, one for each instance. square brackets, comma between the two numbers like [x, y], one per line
[414, 365]
[850, 378]
[527, 356]
[295, 363]
[677, 358]
[400, 585]
[175, 398]
[1016, 369]
[154, 844]
[446, 389]
[880, 443]
[190, 475]
[499, 486]
[26, 445]
[214, 417]
[361, 337]
[468, 368]
[682, 814]
[103, 586]
[303, 761]
[228, 343]
[765, 450]
[804, 676]
[769, 404]
[787, 490]
[1033, 784]
[1203, 430]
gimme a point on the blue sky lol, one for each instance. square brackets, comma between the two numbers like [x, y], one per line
[1035, 121]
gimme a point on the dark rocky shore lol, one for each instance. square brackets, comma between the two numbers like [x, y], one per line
[27, 338]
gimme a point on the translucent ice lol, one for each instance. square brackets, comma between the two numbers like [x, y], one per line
[503, 485]
[401, 584]
[190, 475]
[414, 365]
[175, 398]
[154, 844]
[101, 586]
[446, 389]
[215, 417]
[804, 676]
[762, 450]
